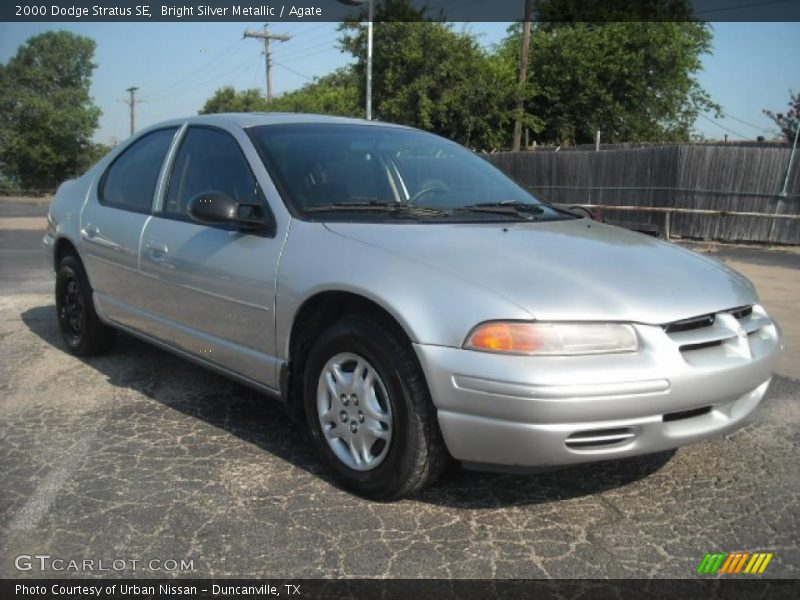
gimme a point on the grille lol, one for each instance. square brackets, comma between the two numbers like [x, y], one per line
[742, 312]
[689, 324]
[719, 335]
[700, 345]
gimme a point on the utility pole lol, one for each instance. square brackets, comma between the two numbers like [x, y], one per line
[132, 102]
[266, 37]
[523, 74]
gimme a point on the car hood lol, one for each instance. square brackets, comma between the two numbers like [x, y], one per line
[568, 270]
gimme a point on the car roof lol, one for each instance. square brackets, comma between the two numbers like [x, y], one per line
[253, 119]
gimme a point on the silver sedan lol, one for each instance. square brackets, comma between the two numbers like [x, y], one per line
[404, 298]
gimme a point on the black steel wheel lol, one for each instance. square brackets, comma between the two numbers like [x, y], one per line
[83, 331]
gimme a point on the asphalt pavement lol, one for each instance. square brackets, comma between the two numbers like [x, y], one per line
[139, 455]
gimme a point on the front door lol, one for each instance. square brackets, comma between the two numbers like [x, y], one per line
[211, 289]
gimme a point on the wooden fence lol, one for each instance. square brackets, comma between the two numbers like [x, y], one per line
[720, 178]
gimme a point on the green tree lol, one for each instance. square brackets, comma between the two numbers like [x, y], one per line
[227, 99]
[633, 81]
[94, 152]
[428, 75]
[334, 94]
[788, 121]
[47, 116]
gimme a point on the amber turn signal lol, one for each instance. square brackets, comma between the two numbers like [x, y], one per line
[504, 337]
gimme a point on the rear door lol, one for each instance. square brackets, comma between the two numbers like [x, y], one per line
[112, 221]
[212, 288]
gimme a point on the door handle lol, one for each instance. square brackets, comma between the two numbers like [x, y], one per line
[157, 249]
[90, 231]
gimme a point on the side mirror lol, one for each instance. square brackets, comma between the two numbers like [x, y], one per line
[216, 208]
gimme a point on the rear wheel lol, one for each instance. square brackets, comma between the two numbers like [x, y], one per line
[80, 326]
[371, 418]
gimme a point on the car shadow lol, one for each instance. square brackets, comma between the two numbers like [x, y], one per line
[263, 422]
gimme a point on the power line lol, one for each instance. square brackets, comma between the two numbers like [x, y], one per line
[240, 67]
[306, 29]
[296, 31]
[267, 37]
[327, 43]
[721, 126]
[728, 116]
[256, 80]
[293, 71]
[317, 44]
[226, 52]
[307, 55]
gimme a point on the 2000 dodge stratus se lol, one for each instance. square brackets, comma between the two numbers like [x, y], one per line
[404, 297]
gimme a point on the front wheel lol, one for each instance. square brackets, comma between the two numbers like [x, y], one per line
[371, 418]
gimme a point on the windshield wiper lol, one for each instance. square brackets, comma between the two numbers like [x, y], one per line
[378, 206]
[510, 208]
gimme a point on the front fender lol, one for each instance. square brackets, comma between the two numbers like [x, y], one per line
[433, 306]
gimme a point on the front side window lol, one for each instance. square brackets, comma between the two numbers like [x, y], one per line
[209, 160]
[365, 172]
[130, 181]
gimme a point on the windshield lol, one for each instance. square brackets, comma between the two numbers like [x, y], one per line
[367, 173]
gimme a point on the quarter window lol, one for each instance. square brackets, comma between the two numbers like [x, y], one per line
[130, 181]
[209, 160]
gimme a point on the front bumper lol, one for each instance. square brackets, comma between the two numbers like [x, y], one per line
[523, 411]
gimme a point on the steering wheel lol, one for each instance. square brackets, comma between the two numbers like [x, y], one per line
[430, 187]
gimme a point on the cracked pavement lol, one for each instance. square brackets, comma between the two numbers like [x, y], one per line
[139, 454]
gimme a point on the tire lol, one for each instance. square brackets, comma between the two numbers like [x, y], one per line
[394, 397]
[81, 328]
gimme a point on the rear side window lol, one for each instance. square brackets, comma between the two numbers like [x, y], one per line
[209, 160]
[130, 181]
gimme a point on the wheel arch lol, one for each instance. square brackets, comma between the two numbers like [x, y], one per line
[64, 246]
[314, 315]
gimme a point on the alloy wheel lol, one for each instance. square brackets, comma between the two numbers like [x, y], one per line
[354, 411]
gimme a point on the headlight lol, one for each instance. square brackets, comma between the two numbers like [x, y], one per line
[552, 339]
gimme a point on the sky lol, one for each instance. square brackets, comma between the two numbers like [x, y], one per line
[177, 66]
